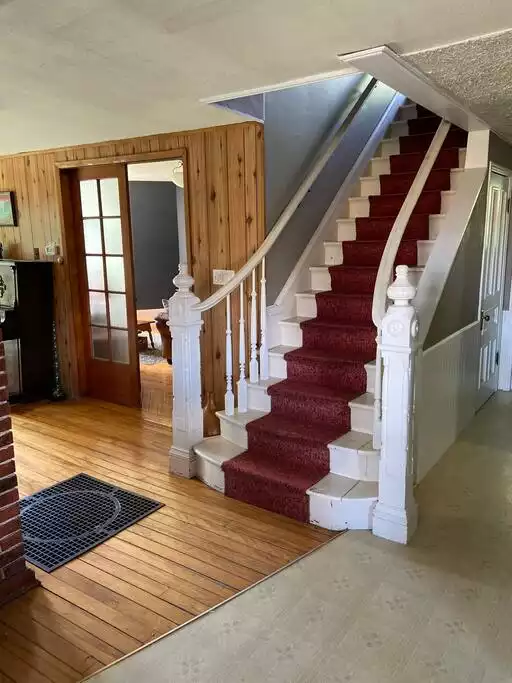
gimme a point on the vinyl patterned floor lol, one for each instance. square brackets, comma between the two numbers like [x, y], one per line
[198, 550]
[362, 610]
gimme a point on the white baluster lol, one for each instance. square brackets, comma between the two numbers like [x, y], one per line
[253, 363]
[263, 324]
[242, 379]
[395, 515]
[187, 414]
[229, 397]
[377, 394]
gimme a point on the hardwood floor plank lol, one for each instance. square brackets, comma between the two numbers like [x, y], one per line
[200, 549]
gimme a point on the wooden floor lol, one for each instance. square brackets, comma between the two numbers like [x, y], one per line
[156, 392]
[195, 552]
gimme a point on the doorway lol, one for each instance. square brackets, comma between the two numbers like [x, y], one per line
[492, 283]
[125, 235]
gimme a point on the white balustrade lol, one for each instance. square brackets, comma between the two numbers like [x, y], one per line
[229, 397]
[187, 416]
[253, 363]
[263, 324]
[242, 379]
[395, 515]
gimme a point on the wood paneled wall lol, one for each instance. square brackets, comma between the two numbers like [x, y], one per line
[226, 221]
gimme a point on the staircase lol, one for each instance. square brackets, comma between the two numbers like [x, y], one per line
[304, 447]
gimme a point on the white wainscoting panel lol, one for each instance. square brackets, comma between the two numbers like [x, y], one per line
[448, 387]
[505, 376]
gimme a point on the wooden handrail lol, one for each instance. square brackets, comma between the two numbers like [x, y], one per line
[393, 243]
[328, 148]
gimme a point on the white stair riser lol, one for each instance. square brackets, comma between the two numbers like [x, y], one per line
[333, 253]
[379, 166]
[370, 378]
[424, 251]
[389, 147]
[436, 224]
[353, 463]
[306, 307]
[370, 186]
[233, 432]
[462, 158]
[346, 229]
[408, 111]
[210, 474]
[277, 365]
[447, 200]
[291, 335]
[258, 399]
[361, 419]
[320, 279]
[338, 514]
[358, 207]
[398, 129]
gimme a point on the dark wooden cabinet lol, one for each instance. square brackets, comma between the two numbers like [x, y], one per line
[26, 310]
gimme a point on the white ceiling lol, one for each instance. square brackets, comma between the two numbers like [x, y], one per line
[76, 71]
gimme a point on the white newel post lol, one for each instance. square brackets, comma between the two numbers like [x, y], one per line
[395, 515]
[187, 416]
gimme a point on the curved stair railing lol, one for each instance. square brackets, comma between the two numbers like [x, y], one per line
[186, 311]
[385, 272]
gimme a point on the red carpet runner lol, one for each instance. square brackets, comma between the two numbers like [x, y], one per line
[288, 447]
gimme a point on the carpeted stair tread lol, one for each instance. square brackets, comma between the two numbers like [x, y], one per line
[335, 326]
[298, 388]
[279, 426]
[421, 142]
[379, 227]
[264, 467]
[389, 205]
[439, 179]
[321, 356]
[403, 163]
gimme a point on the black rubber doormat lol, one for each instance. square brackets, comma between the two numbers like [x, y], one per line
[63, 521]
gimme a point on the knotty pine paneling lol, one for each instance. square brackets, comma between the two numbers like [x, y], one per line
[226, 222]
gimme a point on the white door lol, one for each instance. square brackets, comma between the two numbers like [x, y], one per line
[492, 283]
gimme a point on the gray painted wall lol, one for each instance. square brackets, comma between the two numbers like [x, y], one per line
[290, 153]
[296, 121]
[458, 306]
[155, 241]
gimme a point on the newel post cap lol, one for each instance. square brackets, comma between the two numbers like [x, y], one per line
[402, 291]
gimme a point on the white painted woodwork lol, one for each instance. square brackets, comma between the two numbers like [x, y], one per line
[259, 399]
[263, 324]
[229, 397]
[187, 416]
[346, 229]
[306, 304]
[361, 413]
[233, 427]
[370, 377]
[389, 147]
[253, 362]
[395, 515]
[492, 282]
[242, 378]
[505, 366]
[407, 111]
[210, 454]
[424, 250]
[446, 246]
[358, 207]
[338, 503]
[333, 253]
[277, 362]
[320, 278]
[291, 332]
[448, 369]
[370, 185]
[379, 166]
[436, 223]
[353, 456]
[399, 128]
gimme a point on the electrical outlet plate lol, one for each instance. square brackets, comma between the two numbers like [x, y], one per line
[221, 277]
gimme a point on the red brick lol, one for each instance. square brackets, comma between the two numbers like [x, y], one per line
[6, 453]
[17, 585]
[10, 541]
[8, 512]
[9, 497]
[9, 527]
[6, 439]
[10, 555]
[8, 482]
[15, 567]
[7, 468]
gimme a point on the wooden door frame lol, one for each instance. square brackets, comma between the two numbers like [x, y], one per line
[71, 254]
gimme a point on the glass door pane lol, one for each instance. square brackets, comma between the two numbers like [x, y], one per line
[106, 281]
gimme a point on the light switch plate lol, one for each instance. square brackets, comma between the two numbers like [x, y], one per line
[221, 277]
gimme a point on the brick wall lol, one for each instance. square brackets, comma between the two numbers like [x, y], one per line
[15, 577]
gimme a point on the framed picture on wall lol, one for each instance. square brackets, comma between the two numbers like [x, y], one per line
[7, 211]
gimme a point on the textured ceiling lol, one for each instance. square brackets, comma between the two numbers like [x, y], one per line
[76, 71]
[479, 73]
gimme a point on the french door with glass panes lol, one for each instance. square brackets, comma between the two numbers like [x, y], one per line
[108, 301]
